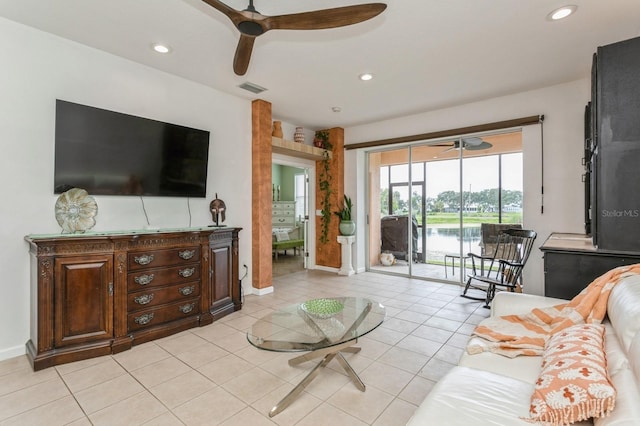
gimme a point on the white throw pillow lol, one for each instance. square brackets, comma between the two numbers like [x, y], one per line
[282, 236]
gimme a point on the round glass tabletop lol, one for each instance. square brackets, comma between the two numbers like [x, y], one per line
[316, 324]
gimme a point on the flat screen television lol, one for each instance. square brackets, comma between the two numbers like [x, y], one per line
[110, 153]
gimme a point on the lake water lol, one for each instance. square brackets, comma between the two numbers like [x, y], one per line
[447, 240]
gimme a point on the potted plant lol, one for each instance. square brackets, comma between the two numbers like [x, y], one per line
[321, 140]
[347, 226]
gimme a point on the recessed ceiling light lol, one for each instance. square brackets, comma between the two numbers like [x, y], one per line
[562, 12]
[161, 48]
[365, 77]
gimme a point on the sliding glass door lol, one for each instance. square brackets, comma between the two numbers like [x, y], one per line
[427, 202]
[389, 212]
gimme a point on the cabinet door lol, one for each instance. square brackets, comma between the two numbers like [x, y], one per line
[221, 278]
[567, 274]
[618, 133]
[83, 297]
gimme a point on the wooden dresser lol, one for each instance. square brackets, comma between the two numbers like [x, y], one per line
[100, 293]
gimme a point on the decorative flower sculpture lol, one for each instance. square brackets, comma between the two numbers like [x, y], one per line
[75, 211]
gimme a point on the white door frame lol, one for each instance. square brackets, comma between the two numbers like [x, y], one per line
[310, 165]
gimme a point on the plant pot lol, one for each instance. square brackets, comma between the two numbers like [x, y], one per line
[347, 227]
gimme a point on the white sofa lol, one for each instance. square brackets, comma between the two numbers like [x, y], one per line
[489, 389]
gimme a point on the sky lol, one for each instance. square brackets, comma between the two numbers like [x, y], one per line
[479, 173]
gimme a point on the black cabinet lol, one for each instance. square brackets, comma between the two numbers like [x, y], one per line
[615, 146]
[571, 262]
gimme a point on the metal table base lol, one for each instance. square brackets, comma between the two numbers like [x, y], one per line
[327, 355]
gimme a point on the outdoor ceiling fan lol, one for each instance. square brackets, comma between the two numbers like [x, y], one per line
[471, 144]
[252, 24]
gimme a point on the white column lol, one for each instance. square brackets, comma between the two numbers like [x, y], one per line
[346, 241]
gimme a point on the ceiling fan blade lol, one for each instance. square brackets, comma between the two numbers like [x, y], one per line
[248, 21]
[452, 146]
[233, 14]
[326, 18]
[243, 54]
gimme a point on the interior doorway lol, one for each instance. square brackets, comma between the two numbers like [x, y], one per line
[291, 221]
[428, 200]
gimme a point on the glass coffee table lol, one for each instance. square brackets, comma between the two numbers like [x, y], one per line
[323, 328]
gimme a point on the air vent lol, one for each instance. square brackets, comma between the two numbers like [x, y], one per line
[251, 87]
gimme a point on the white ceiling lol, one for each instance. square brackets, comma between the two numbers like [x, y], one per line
[425, 54]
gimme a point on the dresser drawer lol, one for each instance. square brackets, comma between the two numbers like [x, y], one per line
[159, 296]
[161, 314]
[157, 277]
[282, 221]
[156, 258]
[284, 206]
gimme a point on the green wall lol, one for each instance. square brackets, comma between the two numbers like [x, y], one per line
[285, 177]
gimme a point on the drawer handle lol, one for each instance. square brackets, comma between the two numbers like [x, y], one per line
[145, 259]
[144, 299]
[186, 272]
[281, 220]
[143, 279]
[143, 319]
[186, 254]
[185, 309]
[185, 291]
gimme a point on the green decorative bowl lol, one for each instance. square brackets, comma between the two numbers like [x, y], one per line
[322, 308]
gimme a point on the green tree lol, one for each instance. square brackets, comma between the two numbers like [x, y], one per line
[449, 198]
[384, 201]
[399, 205]
[511, 197]
[416, 204]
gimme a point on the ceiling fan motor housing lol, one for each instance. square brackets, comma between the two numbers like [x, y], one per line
[250, 28]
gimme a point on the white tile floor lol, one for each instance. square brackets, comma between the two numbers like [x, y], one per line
[212, 375]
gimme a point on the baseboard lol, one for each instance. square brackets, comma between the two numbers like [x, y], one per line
[12, 352]
[261, 291]
[361, 270]
[327, 268]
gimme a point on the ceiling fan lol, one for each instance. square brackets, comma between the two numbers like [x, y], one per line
[471, 144]
[252, 24]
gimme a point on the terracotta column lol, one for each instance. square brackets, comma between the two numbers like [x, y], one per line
[261, 194]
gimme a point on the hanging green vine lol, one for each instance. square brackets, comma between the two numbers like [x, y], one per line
[321, 140]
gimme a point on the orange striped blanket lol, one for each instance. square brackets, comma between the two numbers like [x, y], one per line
[514, 335]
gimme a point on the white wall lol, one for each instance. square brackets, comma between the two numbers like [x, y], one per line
[36, 69]
[563, 108]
